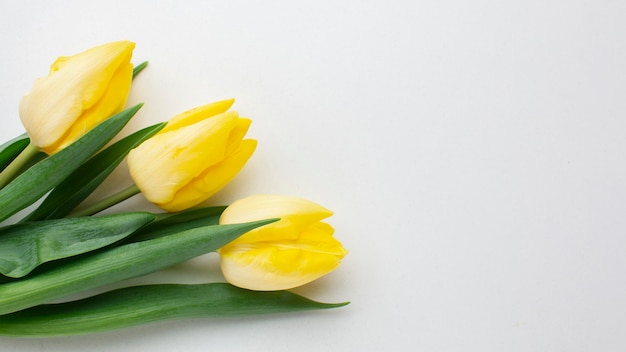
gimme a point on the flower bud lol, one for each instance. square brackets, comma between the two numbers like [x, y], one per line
[79, 92]
[194, 156]
[291, 252]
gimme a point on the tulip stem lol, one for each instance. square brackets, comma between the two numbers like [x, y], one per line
[108, 201]
[13, 169]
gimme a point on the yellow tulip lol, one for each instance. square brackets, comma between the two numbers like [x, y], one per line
[194, 156]
[291, 252]
[79, 92]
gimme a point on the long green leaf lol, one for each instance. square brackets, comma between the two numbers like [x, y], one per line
[117, 263]
[11, 149]
[86, 178]
[137, 69]
[169, 223]
[23, 247]
[144, 304]
[43, 176]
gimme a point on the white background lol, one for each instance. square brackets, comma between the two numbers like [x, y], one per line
[473, 153]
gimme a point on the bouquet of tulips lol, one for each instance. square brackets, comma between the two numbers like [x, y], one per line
[52, 247]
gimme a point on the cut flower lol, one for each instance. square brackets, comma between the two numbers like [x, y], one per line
[291, 252]
[193, 157]
[79, 92]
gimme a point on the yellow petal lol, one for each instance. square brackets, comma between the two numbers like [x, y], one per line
[263, 206]
[237, 134]
[211, 180]
[282, 265]
[112, 101]
[197, 114]
[296, 214]
[165, 163]
[73, 85]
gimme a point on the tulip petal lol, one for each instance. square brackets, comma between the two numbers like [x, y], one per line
[211, 180]
[236, 135]
[164, 164]
[261, 205]
[267, 266]
[291, 252]
[74, 85]
[198, 114]
[296, 214]
[111, 102]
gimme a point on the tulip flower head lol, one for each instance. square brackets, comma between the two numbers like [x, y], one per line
[79, 92]
[194, 156]
[291, 252]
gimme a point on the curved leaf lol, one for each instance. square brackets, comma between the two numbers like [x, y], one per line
[137, 69]
[23, 247]
[87, 177]
[116, 264]
[170, 223]
[144, 304]
[43, 176]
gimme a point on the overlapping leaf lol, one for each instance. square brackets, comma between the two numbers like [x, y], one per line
[45, 175]
[116, 264]
[23, 247]
[170, 223]
[87, 177]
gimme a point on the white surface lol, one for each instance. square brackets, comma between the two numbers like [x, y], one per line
[473, 152]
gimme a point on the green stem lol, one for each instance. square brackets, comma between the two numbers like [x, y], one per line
[14, 167]
[108, 201]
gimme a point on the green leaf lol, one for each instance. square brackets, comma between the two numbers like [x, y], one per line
[23, 247]
[145, 304]
[169, 223]
[86, 178]
[137, 69]
[43, 176]
[115, 264]
[11, 149]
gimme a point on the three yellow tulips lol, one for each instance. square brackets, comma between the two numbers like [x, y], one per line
[193, 157]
